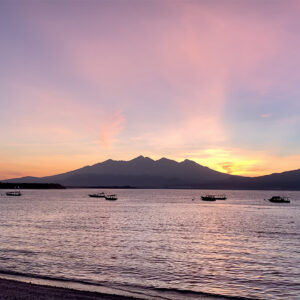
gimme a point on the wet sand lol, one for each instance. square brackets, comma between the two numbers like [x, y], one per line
[16, 290]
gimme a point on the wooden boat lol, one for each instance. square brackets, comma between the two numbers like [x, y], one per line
[111, 197]
[279, 199]
[209, 198]
[98, 195]
[14, 193]
[213, 197]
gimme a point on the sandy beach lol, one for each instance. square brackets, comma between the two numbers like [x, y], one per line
[15, 290]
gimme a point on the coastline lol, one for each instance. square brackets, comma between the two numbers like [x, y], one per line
[17, 290]
[18, 287]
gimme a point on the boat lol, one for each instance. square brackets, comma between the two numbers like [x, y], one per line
[213, 197]
[111, 197]
[209, 198]
[14, 193]
[279, 199]
[98, 195]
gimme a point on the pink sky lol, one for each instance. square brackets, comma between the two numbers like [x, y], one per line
[212, 81]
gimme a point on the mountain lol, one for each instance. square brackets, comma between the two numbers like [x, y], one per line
[289, 180]
[148, 173]
[138, 172]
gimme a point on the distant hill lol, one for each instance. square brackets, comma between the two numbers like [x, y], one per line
[143, 172]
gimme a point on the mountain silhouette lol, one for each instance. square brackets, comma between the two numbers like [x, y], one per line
[144, 172]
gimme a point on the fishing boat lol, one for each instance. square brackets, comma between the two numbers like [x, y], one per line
[213, 197]
[209, 198]
[98, 195]
[279, 199]
[14, 193]
[111, 197]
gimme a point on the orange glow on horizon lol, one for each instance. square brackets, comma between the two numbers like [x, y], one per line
[225, 161]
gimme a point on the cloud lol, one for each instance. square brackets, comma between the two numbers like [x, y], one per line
[242, 167]
[227, 166]
[266, 115]
[110, 128]
[239, 161]
[200, 52]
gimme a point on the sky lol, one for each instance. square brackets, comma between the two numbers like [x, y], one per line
[216, 82]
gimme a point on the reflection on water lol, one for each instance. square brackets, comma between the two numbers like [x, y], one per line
[156, 239]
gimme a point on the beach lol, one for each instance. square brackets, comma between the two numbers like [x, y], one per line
[16, 290]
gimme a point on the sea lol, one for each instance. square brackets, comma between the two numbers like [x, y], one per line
[154, 243]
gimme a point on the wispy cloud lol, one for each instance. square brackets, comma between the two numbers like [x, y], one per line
[266, 115]
[111, 126]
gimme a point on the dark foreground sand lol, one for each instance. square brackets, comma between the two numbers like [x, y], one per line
[15, 290]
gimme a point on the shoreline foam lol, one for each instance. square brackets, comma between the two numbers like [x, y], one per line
[15, 290]
[17, 286]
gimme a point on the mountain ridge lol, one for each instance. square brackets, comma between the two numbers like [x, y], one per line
[144, 172]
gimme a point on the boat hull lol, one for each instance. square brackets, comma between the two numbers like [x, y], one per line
[278, 199]
[13, 194]
[111, 197]
[208, 199]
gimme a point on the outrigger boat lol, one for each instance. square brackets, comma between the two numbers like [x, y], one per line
[279, 199]
[15, 193]
[209, 198]
[213, 197]
[111, 197]
[98, 195]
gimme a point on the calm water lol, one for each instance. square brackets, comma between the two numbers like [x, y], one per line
[158, 242]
